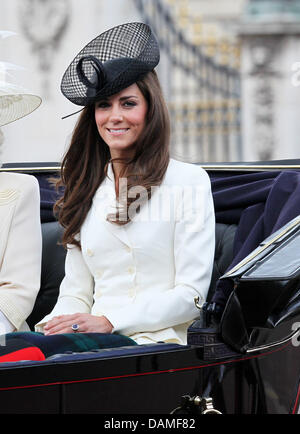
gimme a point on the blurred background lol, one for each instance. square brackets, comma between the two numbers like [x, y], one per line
[230, 71]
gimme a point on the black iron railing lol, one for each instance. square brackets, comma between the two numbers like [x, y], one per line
[203, 94]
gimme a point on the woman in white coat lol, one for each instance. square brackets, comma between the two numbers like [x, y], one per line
[139, 226]
[20, 227]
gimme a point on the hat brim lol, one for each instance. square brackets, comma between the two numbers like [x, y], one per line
[16, 106]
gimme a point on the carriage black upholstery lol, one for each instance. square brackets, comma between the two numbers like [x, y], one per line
[53, 259]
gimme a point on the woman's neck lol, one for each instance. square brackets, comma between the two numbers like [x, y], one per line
[118, 166]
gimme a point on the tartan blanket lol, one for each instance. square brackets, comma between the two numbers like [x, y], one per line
[71, 342]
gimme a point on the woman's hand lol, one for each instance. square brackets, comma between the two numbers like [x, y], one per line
[87, 324]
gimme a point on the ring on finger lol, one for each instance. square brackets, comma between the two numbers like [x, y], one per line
[75, 328]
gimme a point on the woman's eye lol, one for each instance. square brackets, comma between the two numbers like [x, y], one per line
[130, 103]
[102, 104]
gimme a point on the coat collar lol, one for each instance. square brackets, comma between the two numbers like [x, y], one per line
[105, 201]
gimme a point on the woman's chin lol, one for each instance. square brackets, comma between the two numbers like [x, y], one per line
[121, 148]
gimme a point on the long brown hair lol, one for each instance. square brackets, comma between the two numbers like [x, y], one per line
[84, 166]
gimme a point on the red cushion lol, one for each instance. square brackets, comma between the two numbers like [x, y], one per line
[18, 349]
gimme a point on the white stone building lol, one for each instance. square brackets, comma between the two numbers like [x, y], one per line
[50, 32]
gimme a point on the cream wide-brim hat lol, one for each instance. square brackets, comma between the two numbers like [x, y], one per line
[15, 103]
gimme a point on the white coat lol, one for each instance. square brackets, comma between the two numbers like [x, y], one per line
[20, 246]
[143, 276]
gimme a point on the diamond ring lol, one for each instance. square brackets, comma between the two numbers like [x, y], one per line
[75, 327]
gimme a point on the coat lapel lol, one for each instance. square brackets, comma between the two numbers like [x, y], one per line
[7, 205]
[105, 203]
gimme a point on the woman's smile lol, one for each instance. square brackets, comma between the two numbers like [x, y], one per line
[117, 131]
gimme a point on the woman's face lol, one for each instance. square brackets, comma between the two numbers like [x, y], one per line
[120, 120]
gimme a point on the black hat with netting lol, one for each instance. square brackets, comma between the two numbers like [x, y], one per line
[111, 62]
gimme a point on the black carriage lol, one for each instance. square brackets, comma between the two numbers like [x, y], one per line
[244, 361]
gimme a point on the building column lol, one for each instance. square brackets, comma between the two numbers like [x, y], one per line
[270, 38]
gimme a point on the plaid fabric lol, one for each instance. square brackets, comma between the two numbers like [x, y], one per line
[71, 342]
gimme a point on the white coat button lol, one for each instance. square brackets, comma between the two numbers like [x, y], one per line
[131, 270]
[99, 274]
[89, 252]
[131, 292]
[128, 249]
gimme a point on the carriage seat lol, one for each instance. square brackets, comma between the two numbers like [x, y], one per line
[53, 260]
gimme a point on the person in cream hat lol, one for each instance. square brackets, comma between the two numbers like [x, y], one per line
[20, 229]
